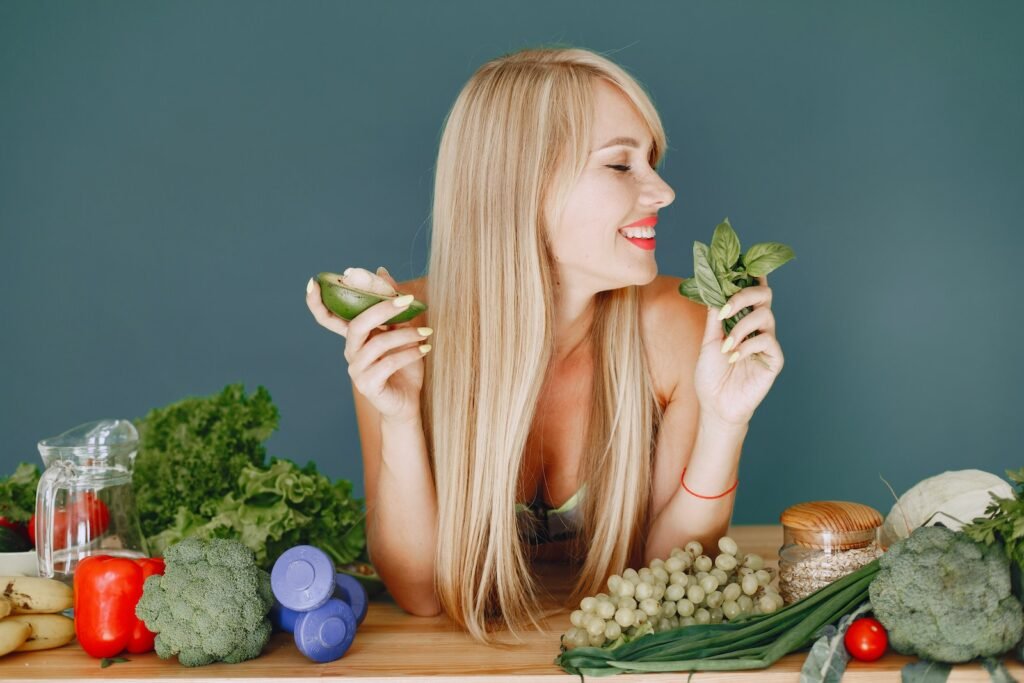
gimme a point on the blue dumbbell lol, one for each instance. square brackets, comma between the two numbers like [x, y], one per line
[351, 591]
[325, 634]
[303, 578]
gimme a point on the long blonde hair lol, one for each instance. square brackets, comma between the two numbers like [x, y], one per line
[516, 138]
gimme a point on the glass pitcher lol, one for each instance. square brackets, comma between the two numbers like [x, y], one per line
[84, 503]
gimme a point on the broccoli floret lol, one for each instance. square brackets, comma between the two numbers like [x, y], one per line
[945, 598]
[210, 605]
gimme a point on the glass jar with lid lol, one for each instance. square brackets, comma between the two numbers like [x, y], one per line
[823, 541]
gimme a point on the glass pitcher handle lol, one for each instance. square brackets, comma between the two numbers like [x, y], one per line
[54, 478]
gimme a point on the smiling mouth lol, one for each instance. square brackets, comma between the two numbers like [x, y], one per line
[647, 243]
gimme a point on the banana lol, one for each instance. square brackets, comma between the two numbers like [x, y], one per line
[35, 595]
[48, 630]
[5, 607]
[12, 635]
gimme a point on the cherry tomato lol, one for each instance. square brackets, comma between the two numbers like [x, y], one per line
[866, 639]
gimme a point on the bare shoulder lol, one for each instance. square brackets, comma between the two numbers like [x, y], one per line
[418, 288]
[672, 327]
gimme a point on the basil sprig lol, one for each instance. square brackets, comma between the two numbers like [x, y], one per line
[721, 270]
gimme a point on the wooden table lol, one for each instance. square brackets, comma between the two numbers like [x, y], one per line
[392, 645]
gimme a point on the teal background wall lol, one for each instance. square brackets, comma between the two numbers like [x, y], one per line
[172, 173]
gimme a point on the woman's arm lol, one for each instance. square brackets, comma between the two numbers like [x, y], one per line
[401, 504]
[711, 468]
[718, 386]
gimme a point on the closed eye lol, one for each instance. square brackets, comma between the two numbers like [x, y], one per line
[621, 168]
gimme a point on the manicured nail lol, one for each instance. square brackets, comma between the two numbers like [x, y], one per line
[403, 301]
[309, 286]
[424, 331]
[728, 344]
[725, 312]
[346, 272]
[383, 271]
[425, 348]
[733, 357]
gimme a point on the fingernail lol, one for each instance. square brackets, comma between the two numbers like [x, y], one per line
[425, 348]
[383, 271]
[733, 357]
[424, 331]
[725, 312]
[728, 344]
[345, 272]
[403, 301]
[309, 286]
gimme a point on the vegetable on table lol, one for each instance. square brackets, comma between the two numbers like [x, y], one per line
[945, 598]
[201, 473]
[17, 505]
[192, 451]
[866, 639]
[952, 499]
[107, 589]
[210, 605]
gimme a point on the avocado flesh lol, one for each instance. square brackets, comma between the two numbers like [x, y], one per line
[347, 302]
[364, 573]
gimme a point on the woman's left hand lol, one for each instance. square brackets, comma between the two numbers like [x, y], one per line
[729, 392]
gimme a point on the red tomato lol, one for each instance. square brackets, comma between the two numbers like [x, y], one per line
[866, 639]
[86, 506]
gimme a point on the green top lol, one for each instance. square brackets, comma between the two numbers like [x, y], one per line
[540, 523]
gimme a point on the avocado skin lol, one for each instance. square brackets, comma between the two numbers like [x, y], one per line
[348, 302]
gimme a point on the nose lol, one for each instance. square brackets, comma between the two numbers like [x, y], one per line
[657, 192]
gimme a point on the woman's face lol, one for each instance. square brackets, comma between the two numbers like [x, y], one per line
[616, 188]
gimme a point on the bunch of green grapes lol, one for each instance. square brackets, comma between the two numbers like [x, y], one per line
[687, 588]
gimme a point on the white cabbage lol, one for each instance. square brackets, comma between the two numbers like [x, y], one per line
[952, 498]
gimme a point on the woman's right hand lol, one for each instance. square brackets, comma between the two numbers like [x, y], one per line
[386, 364]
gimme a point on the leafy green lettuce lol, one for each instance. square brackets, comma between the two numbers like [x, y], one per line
[200, 472]
[192, 451]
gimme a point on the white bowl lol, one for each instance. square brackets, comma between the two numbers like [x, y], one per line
[19, 564]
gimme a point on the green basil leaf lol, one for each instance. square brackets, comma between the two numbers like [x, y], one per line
[688, 288]
[725, 248]
[765, 257]
[707, 282]
[923, 671]
[728, 288]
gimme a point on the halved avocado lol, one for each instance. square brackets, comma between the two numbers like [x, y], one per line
[347, 302]
[364, 573]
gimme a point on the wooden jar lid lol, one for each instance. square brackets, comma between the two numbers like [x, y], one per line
[842, 524]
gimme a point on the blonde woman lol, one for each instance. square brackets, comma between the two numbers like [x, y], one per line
[573, 403]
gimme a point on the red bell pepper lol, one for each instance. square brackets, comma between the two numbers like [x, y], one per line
[106, 591]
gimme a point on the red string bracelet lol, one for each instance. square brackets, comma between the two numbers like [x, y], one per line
[724, 493]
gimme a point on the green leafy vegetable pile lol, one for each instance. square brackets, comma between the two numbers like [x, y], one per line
[1004, 522]
[18, 493]
[200, 472]
[210, 605]
[721, 270]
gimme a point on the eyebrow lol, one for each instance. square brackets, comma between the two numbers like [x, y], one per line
[614, 142]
